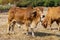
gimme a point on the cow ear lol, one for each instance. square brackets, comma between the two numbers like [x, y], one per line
[34, 14]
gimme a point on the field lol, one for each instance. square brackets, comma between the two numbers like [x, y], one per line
[40, 32]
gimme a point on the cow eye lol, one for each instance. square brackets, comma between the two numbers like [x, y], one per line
[43, 16]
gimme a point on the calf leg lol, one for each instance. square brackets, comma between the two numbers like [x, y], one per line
[11, 26]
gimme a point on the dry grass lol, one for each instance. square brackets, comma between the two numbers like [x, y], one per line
[40, 32]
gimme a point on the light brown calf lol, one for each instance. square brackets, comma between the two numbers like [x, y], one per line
[23, 16]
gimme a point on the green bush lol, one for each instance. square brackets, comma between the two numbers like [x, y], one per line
[24, 3]
[40, 3]
[35, 3]
[58, 3]
[50, 3]
[5, 7]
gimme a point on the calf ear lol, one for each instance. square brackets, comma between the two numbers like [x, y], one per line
[34, 14]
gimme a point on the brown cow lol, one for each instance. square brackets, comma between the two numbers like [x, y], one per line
[53, 14]
[23, 16]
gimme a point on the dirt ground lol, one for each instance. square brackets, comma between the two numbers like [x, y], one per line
[40, 32]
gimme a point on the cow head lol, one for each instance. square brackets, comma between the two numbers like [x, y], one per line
[44, 14]
[40, 11]
[42, 17]
[44, 23]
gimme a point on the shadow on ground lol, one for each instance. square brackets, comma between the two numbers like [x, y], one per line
[42, 34]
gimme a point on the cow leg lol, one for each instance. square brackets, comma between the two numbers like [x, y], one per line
[25, 29]
[49, 25]
[11, 26]
[27, 26]
[32, 29]
[32, 32]
[33, 25]
[59, 27]
[58, 24]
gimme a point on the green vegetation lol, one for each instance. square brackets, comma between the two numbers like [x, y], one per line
[24, 3]
[4, 7]
[34, 3]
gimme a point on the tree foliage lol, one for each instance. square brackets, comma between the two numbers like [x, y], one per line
[24, 3]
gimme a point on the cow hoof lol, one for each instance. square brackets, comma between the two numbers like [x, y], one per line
[33, 35]
[19, 27]
[11, 32]
[48, 29]
[59, 28]
[26, 34]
